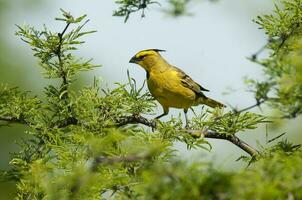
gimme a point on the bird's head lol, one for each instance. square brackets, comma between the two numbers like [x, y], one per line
[147, 58]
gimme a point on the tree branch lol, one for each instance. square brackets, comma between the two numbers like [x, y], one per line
[111, 160]
[134, 119]
[231, 138]
[137, 119]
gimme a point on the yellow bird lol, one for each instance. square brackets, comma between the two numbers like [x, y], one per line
[169, 85]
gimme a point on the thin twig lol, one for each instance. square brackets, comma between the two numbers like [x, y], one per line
[116, 159]
[65, 84]
[59, 54]
[255, 55]
[275, 138]
[134, 119]
[257, 104]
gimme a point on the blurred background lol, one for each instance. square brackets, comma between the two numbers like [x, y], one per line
[212, 46]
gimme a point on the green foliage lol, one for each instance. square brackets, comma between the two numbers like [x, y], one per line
[174, 7]
[137, 102]
[128, 7]
[18, 105]
[178, 7]
[282, 87]
[275, 176]
[184, 181]
[278, 175]
[227, 123]
[48, 45]
[173, 131]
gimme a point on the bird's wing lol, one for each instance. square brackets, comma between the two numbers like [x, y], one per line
[188, 82]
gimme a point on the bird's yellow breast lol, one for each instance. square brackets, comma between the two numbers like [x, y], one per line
[166, 87]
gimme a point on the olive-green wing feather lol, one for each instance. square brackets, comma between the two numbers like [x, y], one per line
[198, 89]
[188, 82]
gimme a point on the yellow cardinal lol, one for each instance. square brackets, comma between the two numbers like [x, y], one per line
[170, 86]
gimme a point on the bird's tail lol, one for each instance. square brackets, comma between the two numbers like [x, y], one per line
[210, 102]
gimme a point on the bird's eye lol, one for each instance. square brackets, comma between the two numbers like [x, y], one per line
[142, 57]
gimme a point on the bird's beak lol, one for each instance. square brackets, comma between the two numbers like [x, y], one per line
[133, 60]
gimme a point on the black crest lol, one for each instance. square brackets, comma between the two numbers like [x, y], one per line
[157, 50]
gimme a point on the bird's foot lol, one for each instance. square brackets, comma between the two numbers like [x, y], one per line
[153, 124]
[187, 126]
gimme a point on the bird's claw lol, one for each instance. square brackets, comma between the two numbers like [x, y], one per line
[153, 125]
